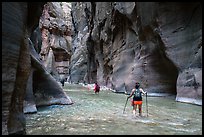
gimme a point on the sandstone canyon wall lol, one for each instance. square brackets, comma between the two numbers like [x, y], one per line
[25, 81]
[156, 43]
[55, 25]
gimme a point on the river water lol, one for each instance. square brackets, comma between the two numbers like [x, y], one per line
[102, 114]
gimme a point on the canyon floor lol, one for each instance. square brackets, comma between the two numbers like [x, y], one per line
[102, 114]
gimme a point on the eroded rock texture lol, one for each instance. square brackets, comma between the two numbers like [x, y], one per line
[42, 88]
[21, 68]
[155, 43]
[16, 27]
[55, 26]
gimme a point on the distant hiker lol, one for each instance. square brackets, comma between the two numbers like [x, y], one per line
[137, 98]
[62, 82]
[96, 88]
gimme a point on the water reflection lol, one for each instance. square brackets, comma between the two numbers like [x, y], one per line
[103, 114]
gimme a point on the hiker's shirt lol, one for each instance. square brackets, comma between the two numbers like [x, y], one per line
[137, 95]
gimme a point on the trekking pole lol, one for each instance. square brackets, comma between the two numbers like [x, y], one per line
[146, 104]
[125, 105]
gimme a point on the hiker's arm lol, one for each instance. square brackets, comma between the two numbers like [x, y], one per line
[131, 94]
[143, 91]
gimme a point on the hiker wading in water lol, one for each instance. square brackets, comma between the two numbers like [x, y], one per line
[96, 88]
[137, 98]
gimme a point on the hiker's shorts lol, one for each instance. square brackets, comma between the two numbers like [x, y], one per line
[136, 103]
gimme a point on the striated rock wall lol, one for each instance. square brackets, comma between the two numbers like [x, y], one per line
[55, 25]
[16, 62]
[155, 43]
[80, 57]
[183, 41]
[115, 43]
[21, 66]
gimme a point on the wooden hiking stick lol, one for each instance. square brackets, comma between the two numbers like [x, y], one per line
[125, 105]
[146, 104]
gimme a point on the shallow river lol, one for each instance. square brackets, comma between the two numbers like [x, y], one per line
[102, 113]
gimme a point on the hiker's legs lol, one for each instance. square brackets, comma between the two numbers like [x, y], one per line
[140, 110]
[97, 92]
[134, 109]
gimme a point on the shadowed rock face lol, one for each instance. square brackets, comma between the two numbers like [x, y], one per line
[19, 63]
[16, 66]
[156, 44]
[43, 89]
[182, 39]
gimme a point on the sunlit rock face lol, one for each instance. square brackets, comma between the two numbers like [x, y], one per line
[55, 26]
[156, 44]
[49, 45]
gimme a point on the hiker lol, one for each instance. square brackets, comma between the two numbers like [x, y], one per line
[137, 98]
[96, 88]
[62, 82]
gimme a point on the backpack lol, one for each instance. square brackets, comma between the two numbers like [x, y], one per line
[137, 93]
